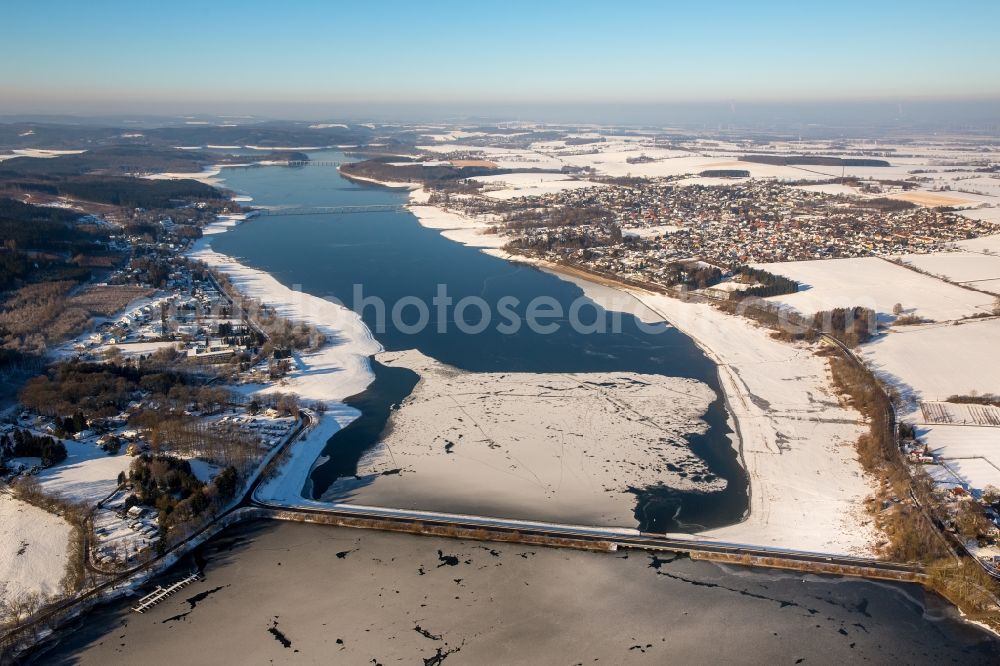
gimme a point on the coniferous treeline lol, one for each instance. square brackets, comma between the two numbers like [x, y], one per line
[815, 160]
[692, 275]
[24, 444]
[40, 242]
[769, 283]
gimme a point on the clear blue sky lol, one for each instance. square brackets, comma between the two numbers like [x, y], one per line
[73, 56]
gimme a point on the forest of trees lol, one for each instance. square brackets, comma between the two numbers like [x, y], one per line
[24, 444]
[983, 399]
[725, 173]
[852, 326]
[36, 316]
[533, 218]
[170, 486]
[769, 284]
[692, 275]
[569, 240]
[137, 192]
[40, 242]
[108, 160]
[188, 436]
[814, 160]
[99, 390]
[76, 394]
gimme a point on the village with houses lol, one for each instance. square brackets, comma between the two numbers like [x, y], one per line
[148, 424]
[155, 418]
[747, 222]
[905, 236]
[222, 428]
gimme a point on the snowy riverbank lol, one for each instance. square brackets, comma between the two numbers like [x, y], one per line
[807, 487]
[328, 375]
[796, 440]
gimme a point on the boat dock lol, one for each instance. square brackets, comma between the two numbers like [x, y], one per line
[161, 593]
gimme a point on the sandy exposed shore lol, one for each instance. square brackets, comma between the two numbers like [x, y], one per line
[208, 176]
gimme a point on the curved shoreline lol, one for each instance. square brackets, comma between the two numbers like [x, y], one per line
[348, 360]
[827, 515]
[776, 473]
[392, 185]
[579, 276]
[296, 473]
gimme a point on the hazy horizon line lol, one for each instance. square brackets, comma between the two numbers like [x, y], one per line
[977, 114]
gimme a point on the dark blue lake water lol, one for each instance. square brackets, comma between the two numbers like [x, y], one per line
[811, 619]
[391, 256]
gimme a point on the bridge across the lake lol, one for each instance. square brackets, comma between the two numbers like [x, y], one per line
[333, 210]
[322, 163]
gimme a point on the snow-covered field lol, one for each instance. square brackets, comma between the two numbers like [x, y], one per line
[505, 158]
[986, 244]
[969, 453]
[935, 361]
[960, 413]
[807, 488]
[87, 475]
[830, 188]
[530, 184]
[561, 447]
[980, 271]
[990, 214]
[877, 284]
[650, 232]
[932, 199]
[203, 470]
[33, 549]
[141, 348]
[611, 158]
[957, 266]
